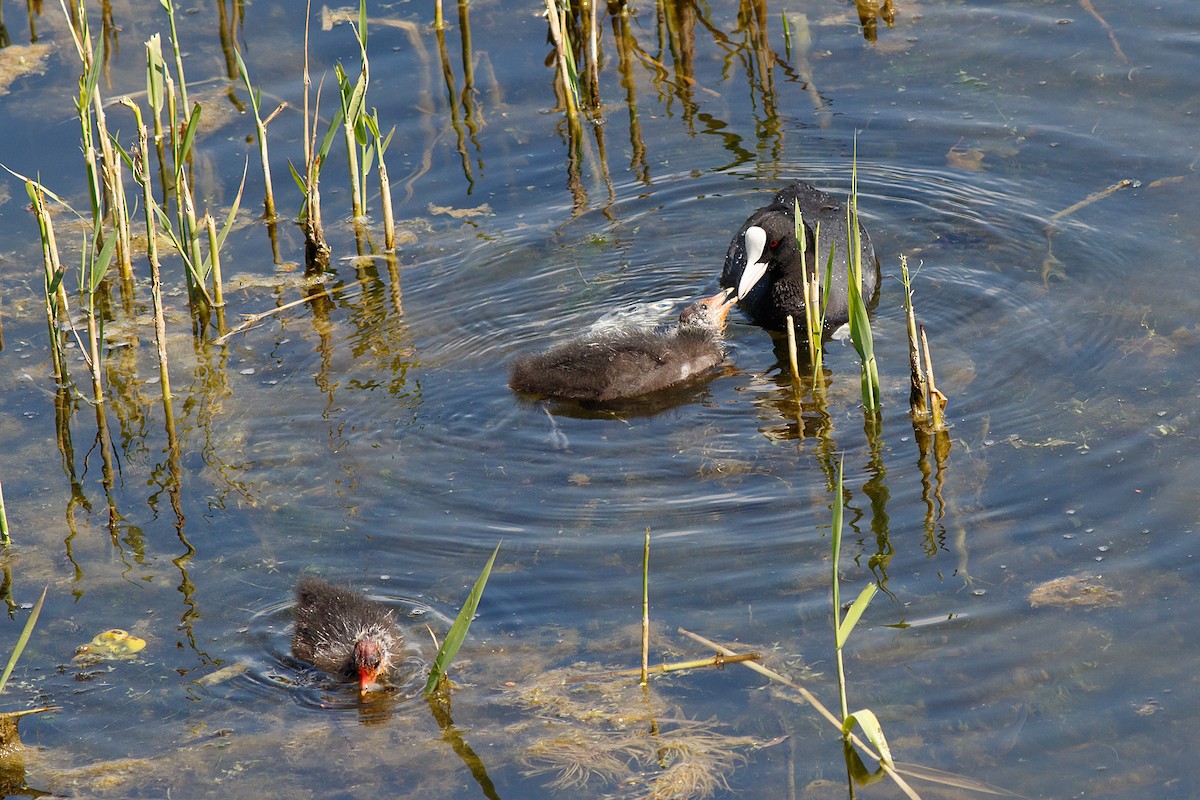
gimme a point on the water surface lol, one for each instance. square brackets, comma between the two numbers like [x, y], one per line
[371, 438]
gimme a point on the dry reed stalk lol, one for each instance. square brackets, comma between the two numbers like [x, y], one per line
[793, 356]
[4, 536]
[918, 389]
[937, 400]
[385, 205]
[816, 704]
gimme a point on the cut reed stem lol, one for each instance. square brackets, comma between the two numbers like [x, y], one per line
[4, 536]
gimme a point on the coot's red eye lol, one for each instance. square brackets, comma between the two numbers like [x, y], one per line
[774, 244]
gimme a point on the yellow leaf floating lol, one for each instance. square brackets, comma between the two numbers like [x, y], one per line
[111, 645]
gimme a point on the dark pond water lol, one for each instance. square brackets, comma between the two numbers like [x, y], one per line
[1036, 630]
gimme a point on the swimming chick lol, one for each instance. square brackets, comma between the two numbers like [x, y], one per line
[631, 362]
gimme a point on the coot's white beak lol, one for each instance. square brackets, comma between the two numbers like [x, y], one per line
[756, 242]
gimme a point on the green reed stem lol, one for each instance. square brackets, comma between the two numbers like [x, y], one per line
[141, 171]
[260, 134]
[169, 7]
[316, 249]
[842, 626]
[385, 185]
[645, 680]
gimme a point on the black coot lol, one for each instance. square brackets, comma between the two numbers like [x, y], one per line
[765, 267]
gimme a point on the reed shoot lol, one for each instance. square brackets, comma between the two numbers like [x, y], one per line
[458, 631]
[260, 135]
[23, 639]
[842, 627]
[860, 323]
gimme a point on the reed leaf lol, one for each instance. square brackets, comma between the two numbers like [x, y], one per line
[237, 202]
[866, 719]
[189, 136]
[100, 263]
[23, 639]
[458, 631]
[855, 612]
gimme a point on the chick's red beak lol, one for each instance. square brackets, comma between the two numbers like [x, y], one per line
[367, 660]
[366, 678]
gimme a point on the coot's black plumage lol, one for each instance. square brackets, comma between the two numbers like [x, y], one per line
[631, 362]
[766, 268]
[343, 632]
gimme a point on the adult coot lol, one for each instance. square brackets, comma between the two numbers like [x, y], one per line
[627, 363]
[341, 631]
[765, 267]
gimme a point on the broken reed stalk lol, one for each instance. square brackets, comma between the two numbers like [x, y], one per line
[385, 206]
[253, 319]
[816, 704]
[937, 400]
[715, 662]
[793, 356]
[644, 680]
[924, 399]
[4, 537]
[918, 389]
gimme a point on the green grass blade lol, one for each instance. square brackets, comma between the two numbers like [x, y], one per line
[23, 639]
[458, 631]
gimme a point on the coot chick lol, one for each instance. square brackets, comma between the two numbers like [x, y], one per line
[341, 631]
[632, 362]
[766, 268]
